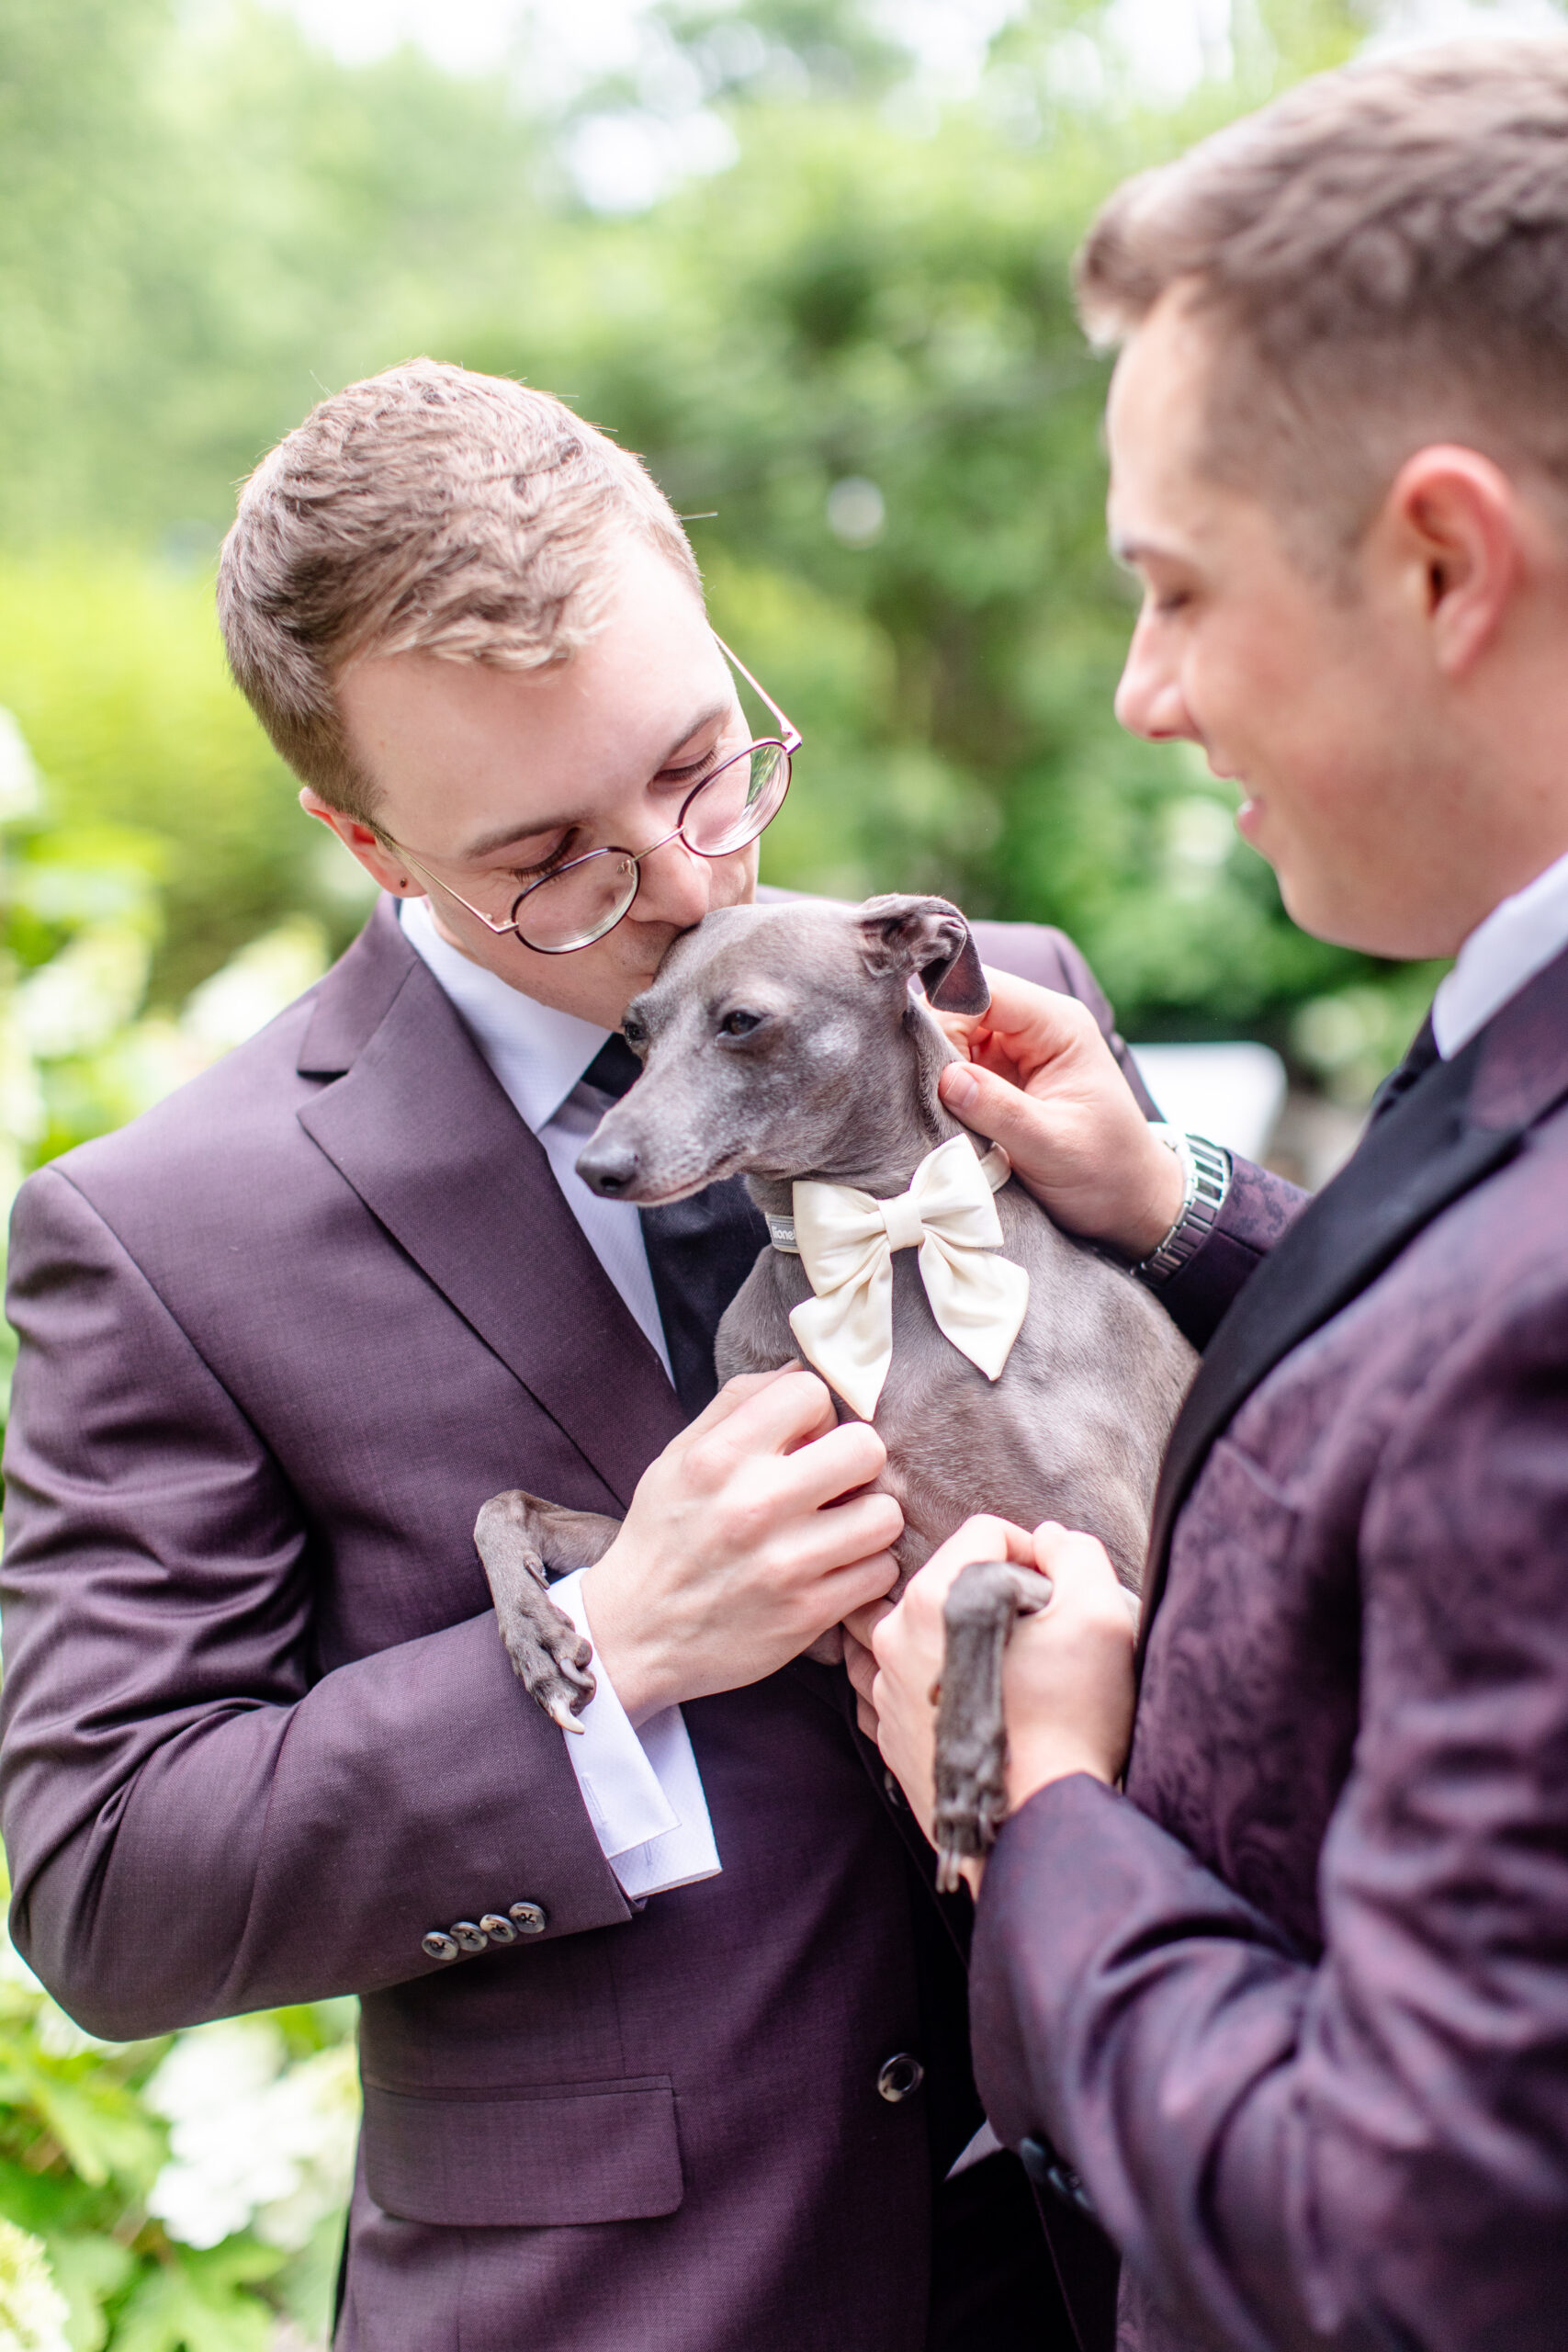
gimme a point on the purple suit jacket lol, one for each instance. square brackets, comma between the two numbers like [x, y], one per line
[280, 1339]
[1294, 2009]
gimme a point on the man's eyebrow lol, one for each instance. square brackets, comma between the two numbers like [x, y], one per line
[506, 836]
[1131, 551]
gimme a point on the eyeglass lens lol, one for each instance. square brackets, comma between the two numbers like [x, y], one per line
[585, 900]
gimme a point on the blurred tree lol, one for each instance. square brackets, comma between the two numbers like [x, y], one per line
[856, 346]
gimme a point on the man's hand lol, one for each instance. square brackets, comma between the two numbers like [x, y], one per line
[897, 1710]
[1042, 1082]
[1068, 1680]
[736, 1551]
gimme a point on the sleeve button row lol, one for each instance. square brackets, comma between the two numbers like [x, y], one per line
[477, 1935]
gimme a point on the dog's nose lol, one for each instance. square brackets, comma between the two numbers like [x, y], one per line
[608, 1166]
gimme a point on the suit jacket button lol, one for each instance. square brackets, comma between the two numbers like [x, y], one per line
[528, 1919]
[435, 1946]
[470, 1934]
[900, 2077]
[498, 1931]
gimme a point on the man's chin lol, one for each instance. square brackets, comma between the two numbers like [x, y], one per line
[1339, 918]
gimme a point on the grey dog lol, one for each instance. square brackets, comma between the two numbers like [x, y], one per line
[795, 1040]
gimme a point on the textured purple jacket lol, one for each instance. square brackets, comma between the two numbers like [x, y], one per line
[1295, 2007]
[280, 1339]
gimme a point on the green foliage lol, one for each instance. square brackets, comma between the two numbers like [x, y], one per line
[203, 220]
[113, 667]
[91, 2135]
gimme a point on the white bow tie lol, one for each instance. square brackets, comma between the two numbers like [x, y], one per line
[845, 1240]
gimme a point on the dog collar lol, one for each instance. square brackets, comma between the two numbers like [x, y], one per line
[995, 1167]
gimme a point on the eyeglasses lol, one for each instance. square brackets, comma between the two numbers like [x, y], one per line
[577, 903]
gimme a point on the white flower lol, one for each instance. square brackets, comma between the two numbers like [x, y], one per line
[253, 2141]
[33, 2311]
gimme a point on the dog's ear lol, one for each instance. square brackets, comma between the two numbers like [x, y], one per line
[928, 939]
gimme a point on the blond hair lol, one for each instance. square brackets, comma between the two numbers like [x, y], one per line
[425, 510]
[1381, 259]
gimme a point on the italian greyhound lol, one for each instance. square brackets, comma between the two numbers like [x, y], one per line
[796, 1043]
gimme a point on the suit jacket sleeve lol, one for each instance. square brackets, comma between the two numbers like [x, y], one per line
[1367, 2147]
[198, 1821]
[1256, 1211]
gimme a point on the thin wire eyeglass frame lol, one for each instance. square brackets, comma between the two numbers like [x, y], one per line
[786, 743]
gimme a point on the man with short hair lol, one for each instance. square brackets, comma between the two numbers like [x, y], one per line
[663, 2032]
[1292, 2013]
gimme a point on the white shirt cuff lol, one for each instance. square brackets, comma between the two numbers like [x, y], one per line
[642, 1789]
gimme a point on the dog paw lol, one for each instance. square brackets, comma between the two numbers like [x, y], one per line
[551, 1659]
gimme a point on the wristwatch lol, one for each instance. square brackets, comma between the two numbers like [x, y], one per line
[1206, 1179]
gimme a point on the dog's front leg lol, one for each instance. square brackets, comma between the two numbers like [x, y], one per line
[521, 1541]
[971, 1728]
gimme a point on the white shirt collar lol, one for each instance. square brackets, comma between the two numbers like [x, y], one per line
[1519, 938]
[537, 1053]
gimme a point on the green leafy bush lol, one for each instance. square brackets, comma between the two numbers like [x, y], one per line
[183, 2195]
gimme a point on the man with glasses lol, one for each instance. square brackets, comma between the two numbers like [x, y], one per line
[664, 2026]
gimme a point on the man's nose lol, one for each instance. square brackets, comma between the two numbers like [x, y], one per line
[675, 886]
[1149, 700]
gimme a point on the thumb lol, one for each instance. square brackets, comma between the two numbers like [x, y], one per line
[991, 1106]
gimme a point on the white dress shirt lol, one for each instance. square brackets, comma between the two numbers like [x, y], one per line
[641, 1788]
[1519, 938]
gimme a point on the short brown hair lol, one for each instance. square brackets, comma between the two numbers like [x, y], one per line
[425, 510]
[1385, 255]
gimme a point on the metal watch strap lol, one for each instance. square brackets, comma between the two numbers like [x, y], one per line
[1206, 1173]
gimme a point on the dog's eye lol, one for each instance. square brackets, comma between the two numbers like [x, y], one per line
[740, 1025]
[634, 1031]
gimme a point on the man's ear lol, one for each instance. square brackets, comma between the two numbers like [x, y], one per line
[1460, 526]
[928, 940]
[362, 843]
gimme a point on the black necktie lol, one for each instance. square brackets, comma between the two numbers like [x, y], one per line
[699, 1251]
[1417, 1063]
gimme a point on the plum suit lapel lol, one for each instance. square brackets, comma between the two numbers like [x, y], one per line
[1458, 1122]
[412, 1118]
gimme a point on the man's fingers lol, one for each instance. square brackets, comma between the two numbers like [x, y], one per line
[984, 1537]
[1022, 1012]
[917, 1617]
[859, 1665]
[862, 1623]
[848, 1455]
[831, 1539]
[995, 1108]
[731, 1396]
[842, 1591]
[1076, 1564]
[780, 1410]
